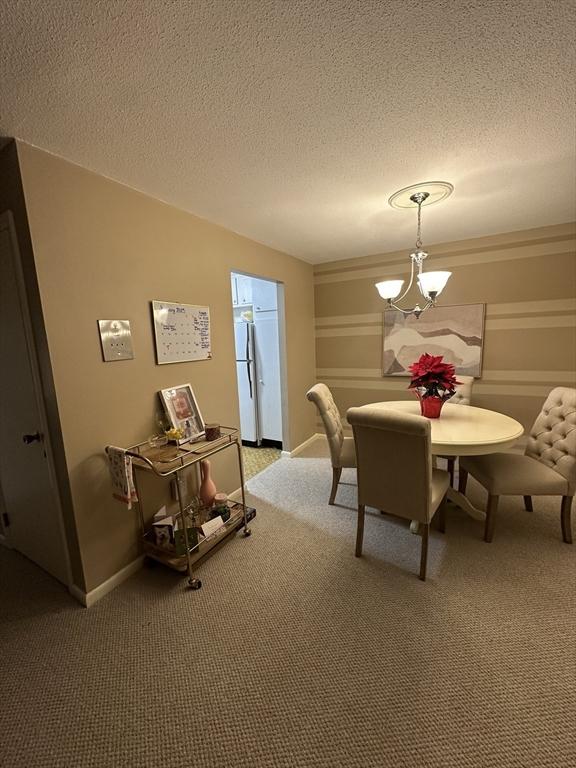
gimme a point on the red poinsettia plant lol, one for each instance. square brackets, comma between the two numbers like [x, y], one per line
[431, 377]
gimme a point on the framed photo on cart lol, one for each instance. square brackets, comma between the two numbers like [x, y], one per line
[183, 412]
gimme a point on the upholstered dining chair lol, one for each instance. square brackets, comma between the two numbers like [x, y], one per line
[395, 471]
[342, 451]
[462, 396]
[547, 468]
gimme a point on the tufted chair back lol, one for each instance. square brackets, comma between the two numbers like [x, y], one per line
[463, 394]
[322, 398]
[552, 438]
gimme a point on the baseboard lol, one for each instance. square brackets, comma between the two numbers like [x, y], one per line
[78, 594]
[88, 599]
[345, 427]
[302, 446]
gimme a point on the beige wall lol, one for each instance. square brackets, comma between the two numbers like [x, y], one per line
[105, 251]
[527, 281]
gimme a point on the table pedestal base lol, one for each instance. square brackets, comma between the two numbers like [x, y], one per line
[457, 498]
[464, 503]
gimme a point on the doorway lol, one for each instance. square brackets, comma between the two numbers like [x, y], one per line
[31, 519]
[258, 316]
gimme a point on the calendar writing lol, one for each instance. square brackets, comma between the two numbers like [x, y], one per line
[182, 332]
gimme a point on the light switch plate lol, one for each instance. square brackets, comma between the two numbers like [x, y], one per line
[116, 340]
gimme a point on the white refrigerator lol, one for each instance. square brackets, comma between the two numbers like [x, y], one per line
[246, 376]
[258, 374]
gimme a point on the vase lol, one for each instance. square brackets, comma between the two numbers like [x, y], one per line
[430, 406]
[207, 486]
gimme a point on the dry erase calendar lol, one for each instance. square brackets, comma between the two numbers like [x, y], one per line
[182, 332]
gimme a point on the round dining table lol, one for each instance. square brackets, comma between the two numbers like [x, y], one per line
[463, 430]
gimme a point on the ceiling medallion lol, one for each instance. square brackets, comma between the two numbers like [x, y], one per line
[436, 192]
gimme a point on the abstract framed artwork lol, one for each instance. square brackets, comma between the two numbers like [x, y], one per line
[456, 333]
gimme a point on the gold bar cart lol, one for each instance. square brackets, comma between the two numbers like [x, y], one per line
[173, 461]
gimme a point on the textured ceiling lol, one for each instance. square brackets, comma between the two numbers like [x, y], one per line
[292, 121]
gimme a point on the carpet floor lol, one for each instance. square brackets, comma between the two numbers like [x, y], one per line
[296, 654]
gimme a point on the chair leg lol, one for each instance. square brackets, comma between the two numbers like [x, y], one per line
[424, 551]
[451, 461]
[565, 519]
[360, 530]
[528, 504]
[441, 515]
[462, 480]
[491, 510]
[336, 472]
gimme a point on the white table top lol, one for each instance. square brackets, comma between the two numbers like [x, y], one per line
[464, 430]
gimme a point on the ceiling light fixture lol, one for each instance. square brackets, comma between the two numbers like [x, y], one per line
[431, 284]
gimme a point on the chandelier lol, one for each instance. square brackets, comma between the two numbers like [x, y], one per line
[430, 284]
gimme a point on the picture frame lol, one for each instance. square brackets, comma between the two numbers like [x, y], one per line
[454, 331]
[182, 410]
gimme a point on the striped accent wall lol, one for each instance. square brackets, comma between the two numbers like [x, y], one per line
[527, 281]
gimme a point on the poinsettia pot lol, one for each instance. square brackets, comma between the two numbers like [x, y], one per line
[430, 406]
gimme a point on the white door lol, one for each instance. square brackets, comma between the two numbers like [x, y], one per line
[32, 521]
[247, 401]
[234, 290]
[246, 378]
[244, 289]
[264, 295]
[268, 373]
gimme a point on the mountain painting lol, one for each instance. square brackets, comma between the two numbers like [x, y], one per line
[456, 333]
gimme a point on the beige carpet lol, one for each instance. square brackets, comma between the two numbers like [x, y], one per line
[295, 654]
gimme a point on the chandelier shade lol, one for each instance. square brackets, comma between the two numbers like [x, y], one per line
[389, 289]
[432, 283]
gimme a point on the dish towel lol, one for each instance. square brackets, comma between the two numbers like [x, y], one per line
[123, 488]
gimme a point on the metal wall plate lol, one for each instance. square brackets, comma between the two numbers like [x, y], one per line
[116, 340]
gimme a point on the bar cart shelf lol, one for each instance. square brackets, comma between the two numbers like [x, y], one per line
[172, 461]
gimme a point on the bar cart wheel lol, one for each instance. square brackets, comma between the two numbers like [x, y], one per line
[247, 532]
[194, 583]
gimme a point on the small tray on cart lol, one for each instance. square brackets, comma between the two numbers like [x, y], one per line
[167, 459]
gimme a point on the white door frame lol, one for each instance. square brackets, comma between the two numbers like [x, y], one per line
[7, 223]
[280, 287]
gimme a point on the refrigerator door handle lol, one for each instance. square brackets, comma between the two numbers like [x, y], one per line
[249, 358]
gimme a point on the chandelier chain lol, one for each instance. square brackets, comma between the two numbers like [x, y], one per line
[419, 230]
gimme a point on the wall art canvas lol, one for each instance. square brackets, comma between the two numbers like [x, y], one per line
[455, 332]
